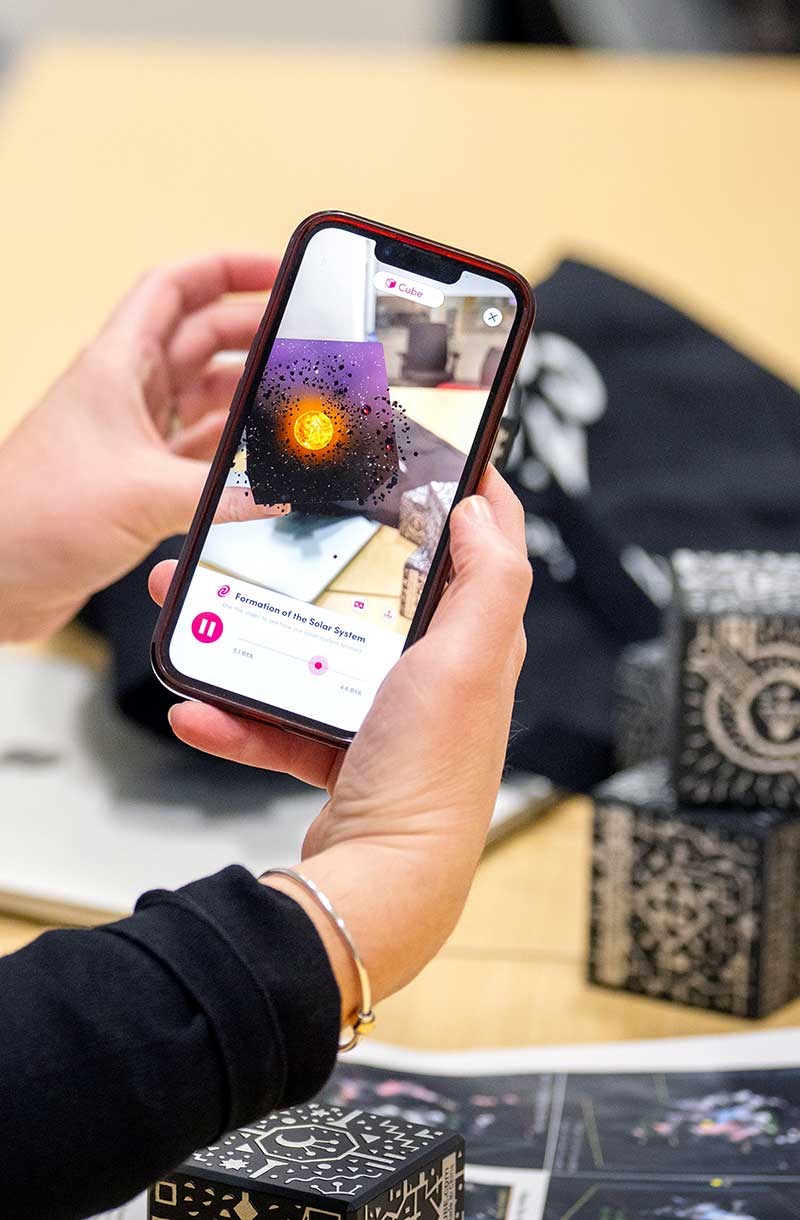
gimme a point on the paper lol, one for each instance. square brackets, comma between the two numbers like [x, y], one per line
[695, 1129]
[299, 555]
[683, 1129]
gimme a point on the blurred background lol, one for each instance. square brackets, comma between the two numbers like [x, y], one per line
[762, 26]
[637, 160]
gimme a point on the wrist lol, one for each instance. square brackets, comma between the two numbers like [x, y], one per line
[39, 590]
[341, 961]
[377, 892]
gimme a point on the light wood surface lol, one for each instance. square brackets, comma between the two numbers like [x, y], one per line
[682, 175]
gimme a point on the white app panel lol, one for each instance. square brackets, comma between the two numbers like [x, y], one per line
[280, 651]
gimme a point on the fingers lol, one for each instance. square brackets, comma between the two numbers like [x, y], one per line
[177, 484]
[200, 439]
[224, 326]
[211, 390]
[201, 280]
[159, 580]
[508, 511]
[155, 307]
[255, 745]
[486, 598]
[237, 504]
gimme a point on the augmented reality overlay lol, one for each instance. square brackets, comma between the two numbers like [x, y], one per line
[352, 451]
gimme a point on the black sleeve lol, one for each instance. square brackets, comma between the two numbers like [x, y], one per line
[125, 1048]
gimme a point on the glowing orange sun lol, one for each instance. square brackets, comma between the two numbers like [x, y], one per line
[313, 429]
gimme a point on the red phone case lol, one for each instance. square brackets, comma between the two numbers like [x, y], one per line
[475, 465]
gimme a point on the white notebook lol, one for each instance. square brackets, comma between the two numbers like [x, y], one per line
[96, 810]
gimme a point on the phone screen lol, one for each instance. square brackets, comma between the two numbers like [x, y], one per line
[354, 444]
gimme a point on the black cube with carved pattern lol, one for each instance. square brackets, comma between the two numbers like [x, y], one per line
[735, 634]
[318, 1162]
[700, 907]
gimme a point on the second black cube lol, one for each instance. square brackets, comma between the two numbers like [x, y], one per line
[694, 906]
[736, 655]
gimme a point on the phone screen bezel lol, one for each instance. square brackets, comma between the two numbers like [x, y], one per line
[474, 466]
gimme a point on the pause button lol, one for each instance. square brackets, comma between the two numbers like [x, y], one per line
[207, 627]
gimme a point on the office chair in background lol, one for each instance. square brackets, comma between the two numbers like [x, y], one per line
[425, 363]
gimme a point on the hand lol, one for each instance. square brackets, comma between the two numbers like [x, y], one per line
[114, 458]
[397, 843]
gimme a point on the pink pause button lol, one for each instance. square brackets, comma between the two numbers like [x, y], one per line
[207, 627]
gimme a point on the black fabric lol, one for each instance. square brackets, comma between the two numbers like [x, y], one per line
[126, 615]
[512, 21]
[641, 432]
[125, 1048]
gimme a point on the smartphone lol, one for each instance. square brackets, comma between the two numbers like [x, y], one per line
[368, 406]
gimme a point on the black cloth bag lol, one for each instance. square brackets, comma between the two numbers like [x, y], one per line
[126, 615]
[640, 432]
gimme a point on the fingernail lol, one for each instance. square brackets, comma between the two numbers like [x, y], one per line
[479, 509]
[170, 711]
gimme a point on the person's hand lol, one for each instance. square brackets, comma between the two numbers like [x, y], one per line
[397, 843]
[114, 458]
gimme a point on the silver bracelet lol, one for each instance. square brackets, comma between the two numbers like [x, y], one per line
[365, 1018]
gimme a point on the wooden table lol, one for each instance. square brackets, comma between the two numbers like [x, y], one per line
[682, 175]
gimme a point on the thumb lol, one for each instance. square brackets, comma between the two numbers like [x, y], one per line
[177, 484]
[159, 580]
[180, 482]
[487, 594]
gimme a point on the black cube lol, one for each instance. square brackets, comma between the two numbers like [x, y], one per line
[696, 907]
[735, 633]
[318, 1162]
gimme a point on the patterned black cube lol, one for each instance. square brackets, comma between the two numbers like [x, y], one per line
[642, 704]
[319, 1162]
[736, 639]
[697, 907]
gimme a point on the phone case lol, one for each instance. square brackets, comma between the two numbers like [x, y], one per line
[475, 465]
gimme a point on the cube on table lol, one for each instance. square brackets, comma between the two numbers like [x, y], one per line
[318, 1162]
[696, 906]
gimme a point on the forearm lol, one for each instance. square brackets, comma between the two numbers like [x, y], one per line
[127, 1047]
[45, 575]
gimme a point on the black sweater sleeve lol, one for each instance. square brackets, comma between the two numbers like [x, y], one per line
[125, 1048]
